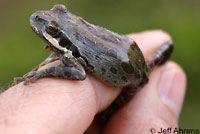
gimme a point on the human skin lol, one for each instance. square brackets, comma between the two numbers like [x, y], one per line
[60, 106]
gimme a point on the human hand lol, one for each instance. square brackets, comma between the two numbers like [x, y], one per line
[53, 105]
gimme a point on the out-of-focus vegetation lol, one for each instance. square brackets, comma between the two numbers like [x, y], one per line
[21, 49]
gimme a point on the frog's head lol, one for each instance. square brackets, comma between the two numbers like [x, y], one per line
[49, 26]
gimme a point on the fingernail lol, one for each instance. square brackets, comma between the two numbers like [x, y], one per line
[172, 87]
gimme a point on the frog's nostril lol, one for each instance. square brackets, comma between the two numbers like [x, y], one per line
[34, 17]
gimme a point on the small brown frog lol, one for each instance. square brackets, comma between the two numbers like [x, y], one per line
[80, 46]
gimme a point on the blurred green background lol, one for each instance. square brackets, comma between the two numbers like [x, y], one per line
[21, 49]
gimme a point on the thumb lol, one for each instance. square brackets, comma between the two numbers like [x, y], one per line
[156, 106]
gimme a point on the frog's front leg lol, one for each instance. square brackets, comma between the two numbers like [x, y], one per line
[56, 71]
[52, 57]
[69, 69]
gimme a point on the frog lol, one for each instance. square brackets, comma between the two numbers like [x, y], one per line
[81, 47]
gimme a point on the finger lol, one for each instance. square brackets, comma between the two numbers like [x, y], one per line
[149, 40]
[54, 105]
[156, 106]
[48, 106]
[104, 94]
[151, 107]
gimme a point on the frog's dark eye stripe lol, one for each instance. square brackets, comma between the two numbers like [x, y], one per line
[52, 29]
[63, 40]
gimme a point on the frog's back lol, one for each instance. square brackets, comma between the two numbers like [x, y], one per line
[109, 56]
[113, 58]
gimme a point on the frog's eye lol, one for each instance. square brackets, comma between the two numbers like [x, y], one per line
[52, 29]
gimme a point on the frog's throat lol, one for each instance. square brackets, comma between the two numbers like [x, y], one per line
[55, 44]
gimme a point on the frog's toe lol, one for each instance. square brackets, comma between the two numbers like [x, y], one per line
[19, 79]
[32, 77]
[29, 75]
[27, 81]
[16, 80]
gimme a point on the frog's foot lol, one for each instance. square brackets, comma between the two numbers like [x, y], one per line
[17, 80]
[161, 55]
[26, 78]
[55, 71]
[31, 77]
